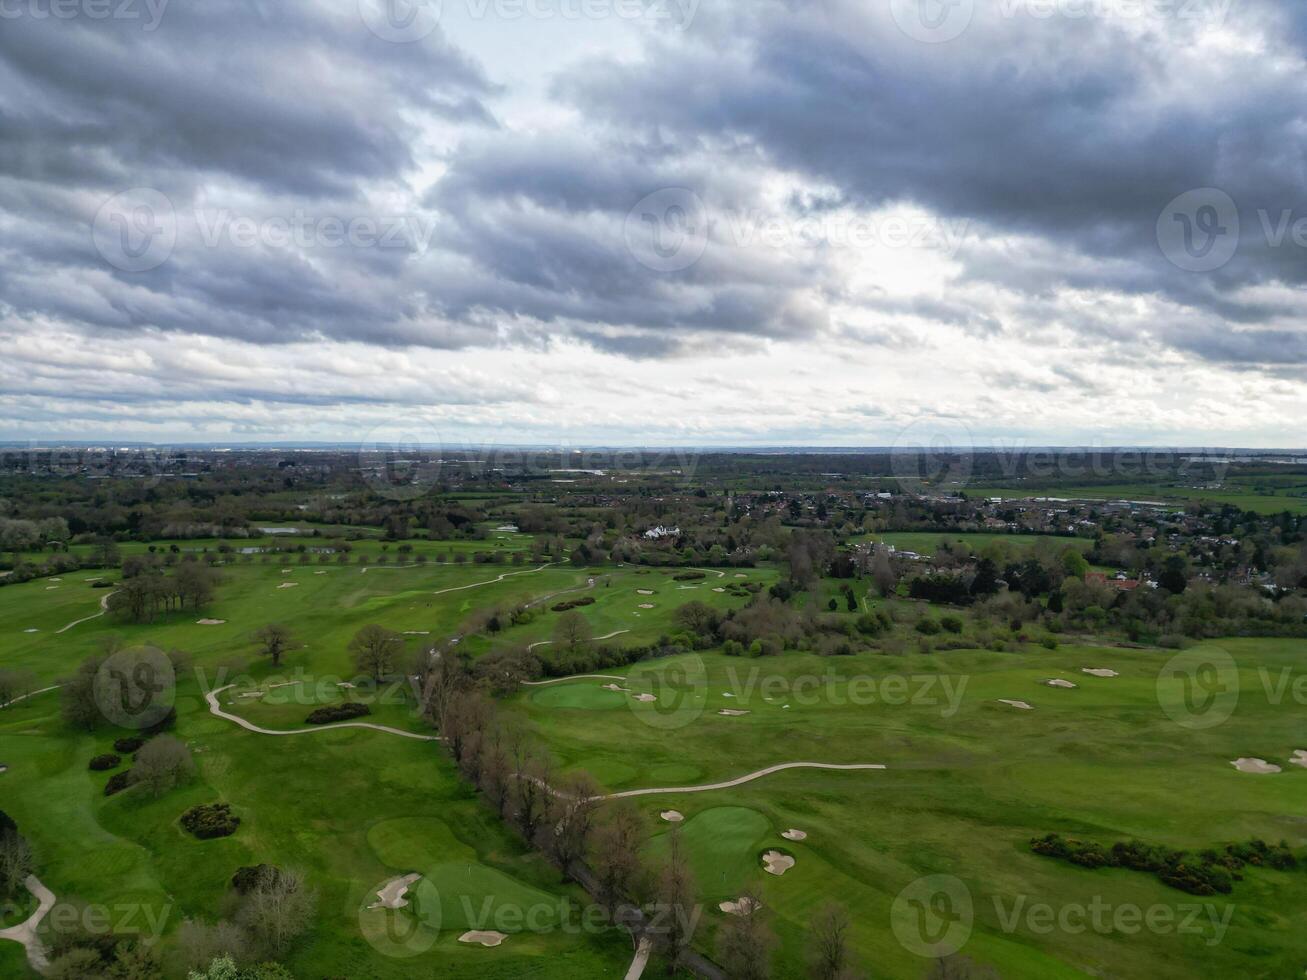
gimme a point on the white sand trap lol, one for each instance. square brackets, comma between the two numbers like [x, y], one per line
[211, 622]
[1259, 766]
[616, 687]
[645, 591]
[417, 633]
[732, 713]
[1299, 758]
[672, 816]
[96, 579]
[51, 588]
[740, 575]
[1017, 704]
[1099, 671]
[319, 573]
[646, 698]
[54, 580]
[776, 863]
[31, 631]
[488, 939]
[346, 685]
[646, 605]
[287, 571]
[719, 590]
[784, 706]
[1059, 682]
[795, 835]
[745, 906]
[289, 585]
[393, 892]
[727, 694]
[250, 694]
[4, 768]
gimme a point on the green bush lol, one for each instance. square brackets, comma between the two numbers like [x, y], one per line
[103, 763]
[210, 820]
[338, 712]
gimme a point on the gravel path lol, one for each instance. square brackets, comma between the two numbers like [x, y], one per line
[104, 608]
[728, 784]
[212, 698]
[25, 932]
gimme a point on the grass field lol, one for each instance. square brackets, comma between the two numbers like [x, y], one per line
[969, 781]
[1273, 500]
[928, 542]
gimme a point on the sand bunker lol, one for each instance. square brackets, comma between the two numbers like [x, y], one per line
[1017, 704]
[615, 687]
[211, 622]
[645, 591]
[1259, 766]
[54, 580]
[646, 605]
[672, 816]
[489, 939]
[417, 632]
[287, 571]
[51, 588]
[1299, 758]
[1099, 671]
[719, 590]
[31, 631]
[319, 573]
[776, 863]
[392, 893]
[1059, 682]
[645, 698]
[740, 575]
[732, 713]
[795, 835]
[745, 906]
[289, 585]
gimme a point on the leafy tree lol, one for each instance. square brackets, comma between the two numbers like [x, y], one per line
[275, 639]
[375, 649]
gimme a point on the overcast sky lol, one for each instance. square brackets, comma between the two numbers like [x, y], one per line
[687, 222]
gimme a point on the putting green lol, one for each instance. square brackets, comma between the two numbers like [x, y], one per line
[722, 846]
[588, 695]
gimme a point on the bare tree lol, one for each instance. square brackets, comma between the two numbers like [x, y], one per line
[615, 849]
[15, 861]
[572, 631]
[829, 933]
[277, 909]
[571, 818]
[162, 763]
[531, 788]
[745, 942]
[77, 696]
[375, 650]
[15, 684]
[199, 944]
[276, 640]
[677, 911]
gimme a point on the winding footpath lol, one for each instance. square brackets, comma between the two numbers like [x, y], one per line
[104, 608]
[477, 585]
[730, 783]
[574, 677]
[215, 709]
[24, 697]
[607, 636]
[641, 960]
[25, 932]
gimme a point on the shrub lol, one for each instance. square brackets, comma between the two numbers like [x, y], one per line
[248, 878]
[689, 577]
[951, 624]
[210, 820]
[103, 763]
[118, 782]
[338, 712]
[129, 745]
[573, 604]
[927, 627]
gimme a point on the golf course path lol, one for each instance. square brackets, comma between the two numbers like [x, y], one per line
[710, 571]
[212, 698]
[770, 770]
[25, 932]
[641, 959]
[607, 636]
[24, 697]
[574, 677]
[477, 585]
[104, 608]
